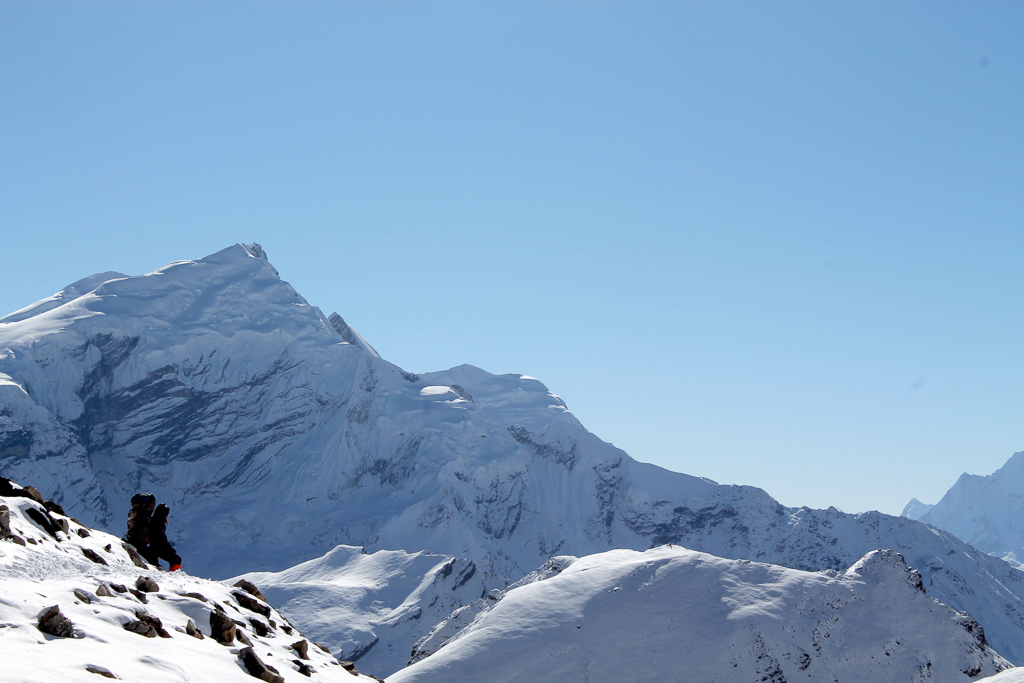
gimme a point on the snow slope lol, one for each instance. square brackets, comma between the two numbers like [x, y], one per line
[675, 614]
[41, 570]
[986, 511]
[276, 433]
[371, 608]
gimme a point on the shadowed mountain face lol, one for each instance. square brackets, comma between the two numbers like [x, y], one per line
[275, 433]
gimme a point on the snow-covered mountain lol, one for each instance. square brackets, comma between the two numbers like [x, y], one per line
[986, 511]
[76, 607]
[371, 607]
[672, 614]
[276, 433]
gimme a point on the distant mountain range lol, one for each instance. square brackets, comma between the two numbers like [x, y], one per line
[276, 433]
[986, 511]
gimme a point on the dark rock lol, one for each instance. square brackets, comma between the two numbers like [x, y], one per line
[140, 595]
[33, 493]
[251, 589]
[303, 668]
[42, 519]
[195, 596]
[256, 667]
[83, 596]
[323, 647]
[134, 554]
[155, 622]
[119, 588]
[82, 532]
[54, 507]
[17, 539]
[93, 669]
[103, 590]
[193, 630]
[5, 522]
[222, 629]
[349, 667]
[94, 556]
[286, 628]
[146, 584]
[301, 647]
[54, 623]
[250, 603]
[259, 627]
[242, 638]
[32, 541]
[108, 547]
[141, 627]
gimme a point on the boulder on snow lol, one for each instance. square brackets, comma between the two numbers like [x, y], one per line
[146, 584]
[250, 603]
[193, 630]
[94, 556]
[52, 622]
[137, 559]
[103, 590]
[222, 629]
[43, 519]
[83, 596]
[250, 588]
[5, 522]
[102, 671]
[302, 648]
[141, 627]
[256, 668]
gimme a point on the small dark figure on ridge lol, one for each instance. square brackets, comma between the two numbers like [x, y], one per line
[147, 531]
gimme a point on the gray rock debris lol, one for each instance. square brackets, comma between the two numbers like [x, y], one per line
[52, 622]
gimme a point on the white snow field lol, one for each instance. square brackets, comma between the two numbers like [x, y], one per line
[276, 434]
[671, 614]
[986, 511]
[39, 570]
[371, 608]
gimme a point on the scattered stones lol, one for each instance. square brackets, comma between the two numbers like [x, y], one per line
[82, 532]
[82, 595]
[155, 622]
[256, 668]
[146, 584]
[140, 595]
[119, 588]
[93, 669]
[103, 590]
[193, 630]
[259, 627]
[52, 622]
[304, 668]
[242, 638]
[302, 648]
[137, 559]
[250, 603]
[222, 629]
[94, 556]
[250, 588]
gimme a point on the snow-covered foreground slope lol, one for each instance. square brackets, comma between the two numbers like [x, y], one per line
[986, 511]
[672, 614]
[371, 608]
[90, 577]
[276, 433]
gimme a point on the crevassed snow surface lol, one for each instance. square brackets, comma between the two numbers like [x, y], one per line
[674, 614]
[275, 438]
[47, 571]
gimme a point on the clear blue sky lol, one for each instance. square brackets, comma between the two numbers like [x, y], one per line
[777, 244]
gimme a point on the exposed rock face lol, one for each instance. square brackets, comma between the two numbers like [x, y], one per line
[52, 622]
